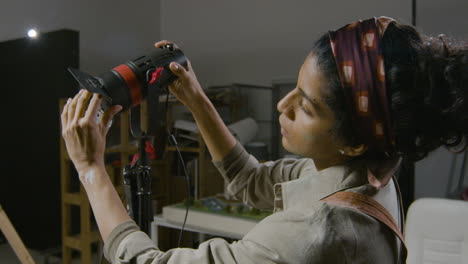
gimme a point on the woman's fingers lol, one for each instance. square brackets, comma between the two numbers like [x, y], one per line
[164, 42]
[82, 110]
[64, 115]
[161, 43]
[93, 108]
[73, 108]
[109, 115]
[82, 105]
[178, 70]
[189, 66]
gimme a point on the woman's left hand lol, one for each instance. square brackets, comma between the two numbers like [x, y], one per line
[84, 135]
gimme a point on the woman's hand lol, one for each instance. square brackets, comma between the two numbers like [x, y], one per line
[186, 88]
[84, 135]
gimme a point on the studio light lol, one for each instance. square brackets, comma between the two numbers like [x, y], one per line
[32, 33]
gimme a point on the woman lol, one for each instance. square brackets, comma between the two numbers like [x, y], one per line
[368, 95]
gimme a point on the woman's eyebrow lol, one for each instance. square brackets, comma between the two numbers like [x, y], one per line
[313, 102]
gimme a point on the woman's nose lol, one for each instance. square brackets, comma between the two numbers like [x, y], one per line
[286, 105]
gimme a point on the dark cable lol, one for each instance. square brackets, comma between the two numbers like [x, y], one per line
[188, 190]
[187, 178]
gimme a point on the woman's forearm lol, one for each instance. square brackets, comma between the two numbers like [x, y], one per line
[85, 142]
[107, 207]
[216, 135]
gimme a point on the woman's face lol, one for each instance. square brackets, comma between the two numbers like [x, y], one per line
[306, 120]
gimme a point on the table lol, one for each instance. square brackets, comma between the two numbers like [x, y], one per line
[201, 222]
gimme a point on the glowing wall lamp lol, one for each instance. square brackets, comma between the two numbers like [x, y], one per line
[32, 33]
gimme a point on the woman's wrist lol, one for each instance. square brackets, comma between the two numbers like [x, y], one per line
[89, 173]
[200, 104]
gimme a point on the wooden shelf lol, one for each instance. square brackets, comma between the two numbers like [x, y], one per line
[122, 148]
[185, 149]
[72, 198]
[76, 241]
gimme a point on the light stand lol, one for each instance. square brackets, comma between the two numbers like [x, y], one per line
[137, 184]
[137, 176]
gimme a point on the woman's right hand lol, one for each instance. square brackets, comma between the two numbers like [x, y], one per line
[186, 88]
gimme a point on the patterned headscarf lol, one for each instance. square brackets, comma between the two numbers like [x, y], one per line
[358, 55]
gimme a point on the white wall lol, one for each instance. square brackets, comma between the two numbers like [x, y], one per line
[449, 17]
[433, 174]
[111, 32]
[264, 40]
[435, 17]
[256, 41]
[248, 41]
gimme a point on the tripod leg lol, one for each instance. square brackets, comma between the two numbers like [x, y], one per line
[15, 241]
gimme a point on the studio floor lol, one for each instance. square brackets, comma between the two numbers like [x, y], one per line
[7, 256]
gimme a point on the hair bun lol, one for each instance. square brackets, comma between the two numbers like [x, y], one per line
[428, 82]
[447, 68]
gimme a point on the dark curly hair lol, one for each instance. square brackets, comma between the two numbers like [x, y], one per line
[427, 81]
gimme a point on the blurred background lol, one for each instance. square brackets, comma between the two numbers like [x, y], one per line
[257, 46]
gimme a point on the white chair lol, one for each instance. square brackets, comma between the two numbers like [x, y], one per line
[437, 231]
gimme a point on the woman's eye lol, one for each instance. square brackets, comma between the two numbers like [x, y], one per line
[301, 104]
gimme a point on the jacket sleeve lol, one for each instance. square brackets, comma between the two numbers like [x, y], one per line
[253, 182]
[127, 244]
[285, 237]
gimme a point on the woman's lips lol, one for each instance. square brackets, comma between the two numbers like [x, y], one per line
[283, 132]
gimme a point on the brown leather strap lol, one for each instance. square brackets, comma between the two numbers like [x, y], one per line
[369, 206]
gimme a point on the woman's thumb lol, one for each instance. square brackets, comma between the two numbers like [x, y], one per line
[177, 69]
[109, 115]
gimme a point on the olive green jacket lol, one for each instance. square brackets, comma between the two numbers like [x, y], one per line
[302, 229]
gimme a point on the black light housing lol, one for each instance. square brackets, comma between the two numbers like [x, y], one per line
[129, 84]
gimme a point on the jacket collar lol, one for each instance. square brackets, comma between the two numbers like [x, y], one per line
[316, 185]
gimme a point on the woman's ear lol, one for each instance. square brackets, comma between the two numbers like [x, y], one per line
[355, 151]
